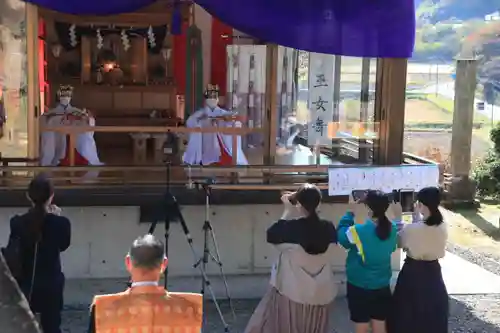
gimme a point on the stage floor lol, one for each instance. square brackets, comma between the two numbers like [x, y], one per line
[295, 155]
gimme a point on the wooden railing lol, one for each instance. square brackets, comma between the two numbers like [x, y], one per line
[351, 148]
[72, 132]
[282, 176]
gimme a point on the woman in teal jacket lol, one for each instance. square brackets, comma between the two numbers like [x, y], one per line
[368, 264]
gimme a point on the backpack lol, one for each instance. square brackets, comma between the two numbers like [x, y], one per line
[13, 257]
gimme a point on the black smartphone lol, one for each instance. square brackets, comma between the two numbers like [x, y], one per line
[390, 197]
[407, 200]
[358, 194]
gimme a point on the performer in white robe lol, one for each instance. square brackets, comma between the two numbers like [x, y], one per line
[212, 148]
[54, 146]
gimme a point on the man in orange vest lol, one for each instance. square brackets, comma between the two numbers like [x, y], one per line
[146, 307]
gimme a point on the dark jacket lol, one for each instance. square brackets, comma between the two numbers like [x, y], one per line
[315, 236]
[55, 238]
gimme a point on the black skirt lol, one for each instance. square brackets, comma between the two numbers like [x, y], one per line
[420, 300]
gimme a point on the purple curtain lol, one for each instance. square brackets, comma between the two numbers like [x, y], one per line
[360, 28]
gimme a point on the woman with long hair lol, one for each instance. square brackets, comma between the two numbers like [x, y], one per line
[302, 286]
[42, 236]
[420, 300]
[368, 265]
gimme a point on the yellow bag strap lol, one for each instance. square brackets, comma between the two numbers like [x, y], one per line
[357, 242]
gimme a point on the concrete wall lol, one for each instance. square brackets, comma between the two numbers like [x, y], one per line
[102, 235]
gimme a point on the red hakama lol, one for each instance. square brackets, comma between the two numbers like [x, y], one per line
[79, 159]
[225, 159]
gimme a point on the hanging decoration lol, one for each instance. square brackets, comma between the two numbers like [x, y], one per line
[153, 34]
[72, 36]
[100, 39]
[151, 38]
[125, 40]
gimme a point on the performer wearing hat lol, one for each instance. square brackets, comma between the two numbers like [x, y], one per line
[213, 148]
[54, 149]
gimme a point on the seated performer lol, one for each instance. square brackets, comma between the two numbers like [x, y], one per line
[212, 148]
[146, 307]
[54, 148]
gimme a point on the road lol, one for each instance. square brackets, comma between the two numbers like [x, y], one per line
[448, 90]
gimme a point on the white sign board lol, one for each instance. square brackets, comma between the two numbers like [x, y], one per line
[320, 104]
[342, 181]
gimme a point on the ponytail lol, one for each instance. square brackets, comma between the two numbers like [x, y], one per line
[384, 226]
[313, 216]
[36, 217]
[435, 219]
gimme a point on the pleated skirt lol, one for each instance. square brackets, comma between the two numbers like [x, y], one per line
[278, 314]
[420, 299]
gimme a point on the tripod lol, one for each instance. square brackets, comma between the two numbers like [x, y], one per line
[209, 237]
[173, 212]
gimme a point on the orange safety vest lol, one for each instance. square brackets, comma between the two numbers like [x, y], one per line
[148, 310]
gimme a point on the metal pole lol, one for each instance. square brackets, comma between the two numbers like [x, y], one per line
[437, 79]
[492, 112]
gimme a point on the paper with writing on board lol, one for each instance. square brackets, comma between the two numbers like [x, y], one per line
[342, 181]
[321, 105]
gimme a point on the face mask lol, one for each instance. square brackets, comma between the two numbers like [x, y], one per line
[212, 102]
[64, 100]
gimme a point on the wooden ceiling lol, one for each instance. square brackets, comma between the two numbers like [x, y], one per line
[159, 13]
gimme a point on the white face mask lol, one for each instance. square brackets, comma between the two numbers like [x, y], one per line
[65, 100]
[212, 102]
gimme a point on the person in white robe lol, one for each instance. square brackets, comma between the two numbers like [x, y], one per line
[213, 148]
[53, 147]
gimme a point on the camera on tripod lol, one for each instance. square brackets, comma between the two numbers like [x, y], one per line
[205, 184]
[173, 213]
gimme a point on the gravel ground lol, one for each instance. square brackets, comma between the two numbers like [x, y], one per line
[468, 313]
[475, 313]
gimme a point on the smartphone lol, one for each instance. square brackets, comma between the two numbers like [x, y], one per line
[358, 194]
[407, 200]
[390, 197]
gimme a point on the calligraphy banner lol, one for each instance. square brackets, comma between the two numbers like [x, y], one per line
[320, 104]
[342, 181]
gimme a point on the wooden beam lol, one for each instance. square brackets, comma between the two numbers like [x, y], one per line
[74, 130]
[390, 97]
[161, 16]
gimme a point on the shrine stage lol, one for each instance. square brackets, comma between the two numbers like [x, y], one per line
[107, 218]
[119, 170]
[94, 264]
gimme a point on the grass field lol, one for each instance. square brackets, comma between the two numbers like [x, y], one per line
[421, 111]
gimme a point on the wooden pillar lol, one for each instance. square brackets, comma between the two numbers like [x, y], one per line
[86, 59]
[271, 112]
[390, 98]
[462, 188]
[364, 151]
[336, 101]
[33, 85]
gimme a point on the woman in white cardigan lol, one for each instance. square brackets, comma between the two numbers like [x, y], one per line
[302, 287]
